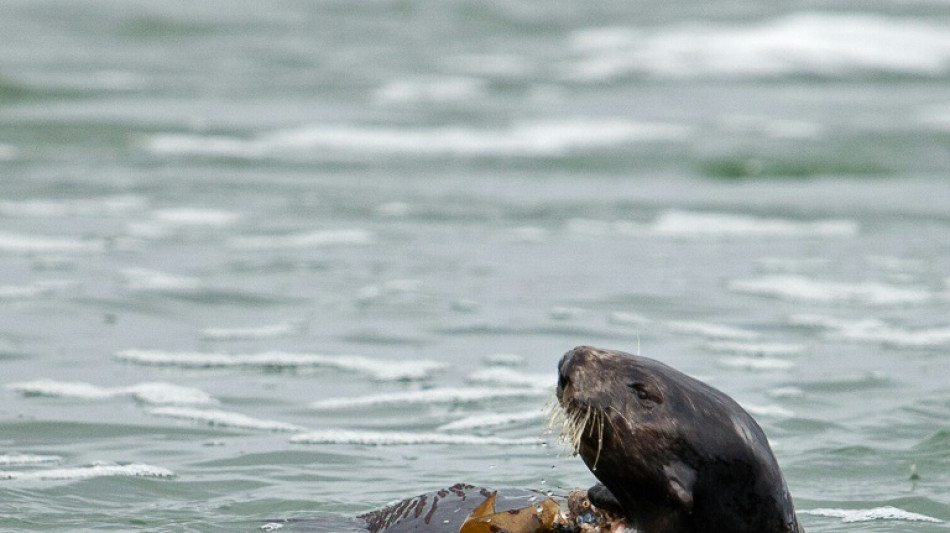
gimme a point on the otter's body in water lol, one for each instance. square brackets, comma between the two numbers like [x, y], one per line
[673, 454]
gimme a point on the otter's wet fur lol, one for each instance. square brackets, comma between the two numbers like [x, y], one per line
[673, 454]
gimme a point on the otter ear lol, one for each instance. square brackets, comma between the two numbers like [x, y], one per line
[681, 478]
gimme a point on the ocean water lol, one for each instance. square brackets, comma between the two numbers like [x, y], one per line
[301, 259]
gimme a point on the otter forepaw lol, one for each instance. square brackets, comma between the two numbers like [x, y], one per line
[601, 497]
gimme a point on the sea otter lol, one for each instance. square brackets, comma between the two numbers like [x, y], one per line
[673, 454]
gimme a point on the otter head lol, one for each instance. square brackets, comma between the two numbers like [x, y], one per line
[675, 453]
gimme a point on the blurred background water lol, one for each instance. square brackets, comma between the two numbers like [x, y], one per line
[269, 260]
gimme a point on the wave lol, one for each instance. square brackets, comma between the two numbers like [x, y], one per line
[768, 411]
[27, 459]
[270, 331]
[677, 223]
[35, 291]
[37, 244]
[758, 364]
[492, 420]
[810, 44]
[87, 472]
[150, 393]
[430, 396]
[719, 225]
[526, 139]
[715, 331]
[870, 515]
[196, 216]
[145, 280]
[504, 376]
[831, 292]
[218, 418]
[108, 206]
[430, 89]
[163, 284]
[165, 222]
[755, 348]
[376, 368]
[873, 330]
[394, 438]
[310, 239]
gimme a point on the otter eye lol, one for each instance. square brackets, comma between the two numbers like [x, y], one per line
[640, 391]
[644, 392]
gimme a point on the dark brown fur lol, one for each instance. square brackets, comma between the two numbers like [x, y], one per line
[673, 454]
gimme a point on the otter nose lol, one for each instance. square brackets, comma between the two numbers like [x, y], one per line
[570, 360]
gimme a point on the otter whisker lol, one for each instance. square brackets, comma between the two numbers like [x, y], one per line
[599, 422]
[553, 413]
[621, 415]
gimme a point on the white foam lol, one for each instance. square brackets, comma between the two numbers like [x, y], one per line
[755, 348]
[35, 291]
[714, 331]
[542, 138]
[831, 292]
[376, 368]
[501, 376]
[761, 364]
[394, 438]
[165, 222]
[725, 225]
[786, 392]
[822, 44]
[146, 280]
[310, 239]
[868, 515]
[873, 330]
[769, 411]
[218, 418]
[81, 207]
[431, 89]
[491, 420]
[30, 244]
[151, 393]
[167, 394]
[621, 318]
[27, 459]
[87, 472]
[430, 396]
[66, 389]
[196, 216]
[270, 331]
